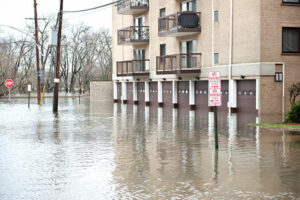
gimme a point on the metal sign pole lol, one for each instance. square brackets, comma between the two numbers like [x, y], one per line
[28, 99]
[216, 127]
[9, 100]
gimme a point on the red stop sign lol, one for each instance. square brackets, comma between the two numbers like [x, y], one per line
[9, 83]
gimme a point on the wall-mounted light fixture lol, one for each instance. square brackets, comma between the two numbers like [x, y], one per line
[179, 78]
[197, 78]
[242, 77]
[150, 79]
[278, 77]
[137, 79]
[127, 80]
[164, 79]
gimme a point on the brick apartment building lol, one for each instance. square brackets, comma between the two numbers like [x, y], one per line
[163, 51]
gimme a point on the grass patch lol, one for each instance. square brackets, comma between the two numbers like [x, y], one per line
[276, 125]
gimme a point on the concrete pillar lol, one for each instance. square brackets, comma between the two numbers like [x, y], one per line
[160, 120]
[257, 93]
[160, 94]
[232, 104]
[124, 93]
[147, 93]
[192, 94]
[174, 120]
[192, 115]
[135, 99]
[115, 92]
[174, 92]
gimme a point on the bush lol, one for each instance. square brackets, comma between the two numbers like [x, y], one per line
[293, 115]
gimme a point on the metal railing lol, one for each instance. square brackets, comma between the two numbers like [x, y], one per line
[178, 62]
[133, 34]
[127, 4]
[179, 20]
[133, 67]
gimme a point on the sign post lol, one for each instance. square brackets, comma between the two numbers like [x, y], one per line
[9, 83]
[29, 90]
[214, 99]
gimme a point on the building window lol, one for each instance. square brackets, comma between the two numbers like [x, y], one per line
[162, 49]
[162, 12]
[216, 58]
[290, 40]
[291, 1]
[216, 16]
[278, 77]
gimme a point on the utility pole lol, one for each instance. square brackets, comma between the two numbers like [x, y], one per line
[37, 53]
[57, 76]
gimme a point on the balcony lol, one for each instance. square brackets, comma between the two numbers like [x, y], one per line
[132, 7]
[185, 63]
[179, 24]
[133, 35]
[133, 68]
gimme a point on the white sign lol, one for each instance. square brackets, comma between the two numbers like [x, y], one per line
[56, 80]
[29, 88]
[214, 87]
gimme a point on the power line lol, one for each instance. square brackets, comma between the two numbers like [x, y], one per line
[89, 9]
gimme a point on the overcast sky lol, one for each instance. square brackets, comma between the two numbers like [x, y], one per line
[14, 12]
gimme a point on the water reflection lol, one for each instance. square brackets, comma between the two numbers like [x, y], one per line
[115, 151]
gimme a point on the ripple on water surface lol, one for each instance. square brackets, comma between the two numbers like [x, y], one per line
[104, 151]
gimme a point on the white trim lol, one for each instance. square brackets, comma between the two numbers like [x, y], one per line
[174, 92]
[147, 93]
[192, 92]
[159, 95]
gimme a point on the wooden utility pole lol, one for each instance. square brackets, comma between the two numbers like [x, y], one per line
[57, 76]
[37, 53]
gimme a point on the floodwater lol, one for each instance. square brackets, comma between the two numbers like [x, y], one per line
[106, 151]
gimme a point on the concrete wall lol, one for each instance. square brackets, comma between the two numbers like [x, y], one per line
[101, 91]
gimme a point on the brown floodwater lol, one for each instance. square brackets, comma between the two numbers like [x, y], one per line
[110, 151]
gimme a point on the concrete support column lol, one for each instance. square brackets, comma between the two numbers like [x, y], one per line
[174, 92]
[192, 95]
[257, 93]
[135, 99]
[115, 92]
[124, 93]
[160, 94]
[232, 104]
[147, 93]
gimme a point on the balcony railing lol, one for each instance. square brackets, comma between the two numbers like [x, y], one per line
[179, 63]
[133, 68]
[133, 35]
[132, 7]
[179, 24]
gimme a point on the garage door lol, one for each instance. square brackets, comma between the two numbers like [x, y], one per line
[141, 93]
[201, 95]
[153, 89]
[167, 94]
[119, 91]
[225, 96]
[129, 88]
[246, 96]
[183, 94]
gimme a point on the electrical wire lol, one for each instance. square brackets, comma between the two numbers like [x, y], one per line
[89, 9]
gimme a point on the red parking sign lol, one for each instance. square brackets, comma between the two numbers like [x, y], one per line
[9, 83]
[214, 87]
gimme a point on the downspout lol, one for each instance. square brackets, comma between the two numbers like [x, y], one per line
[230, 55]
[212, 34]
[283, 91]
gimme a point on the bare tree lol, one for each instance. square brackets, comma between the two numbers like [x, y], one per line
[294, 92]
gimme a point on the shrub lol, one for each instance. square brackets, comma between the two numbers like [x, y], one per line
[293, 115]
